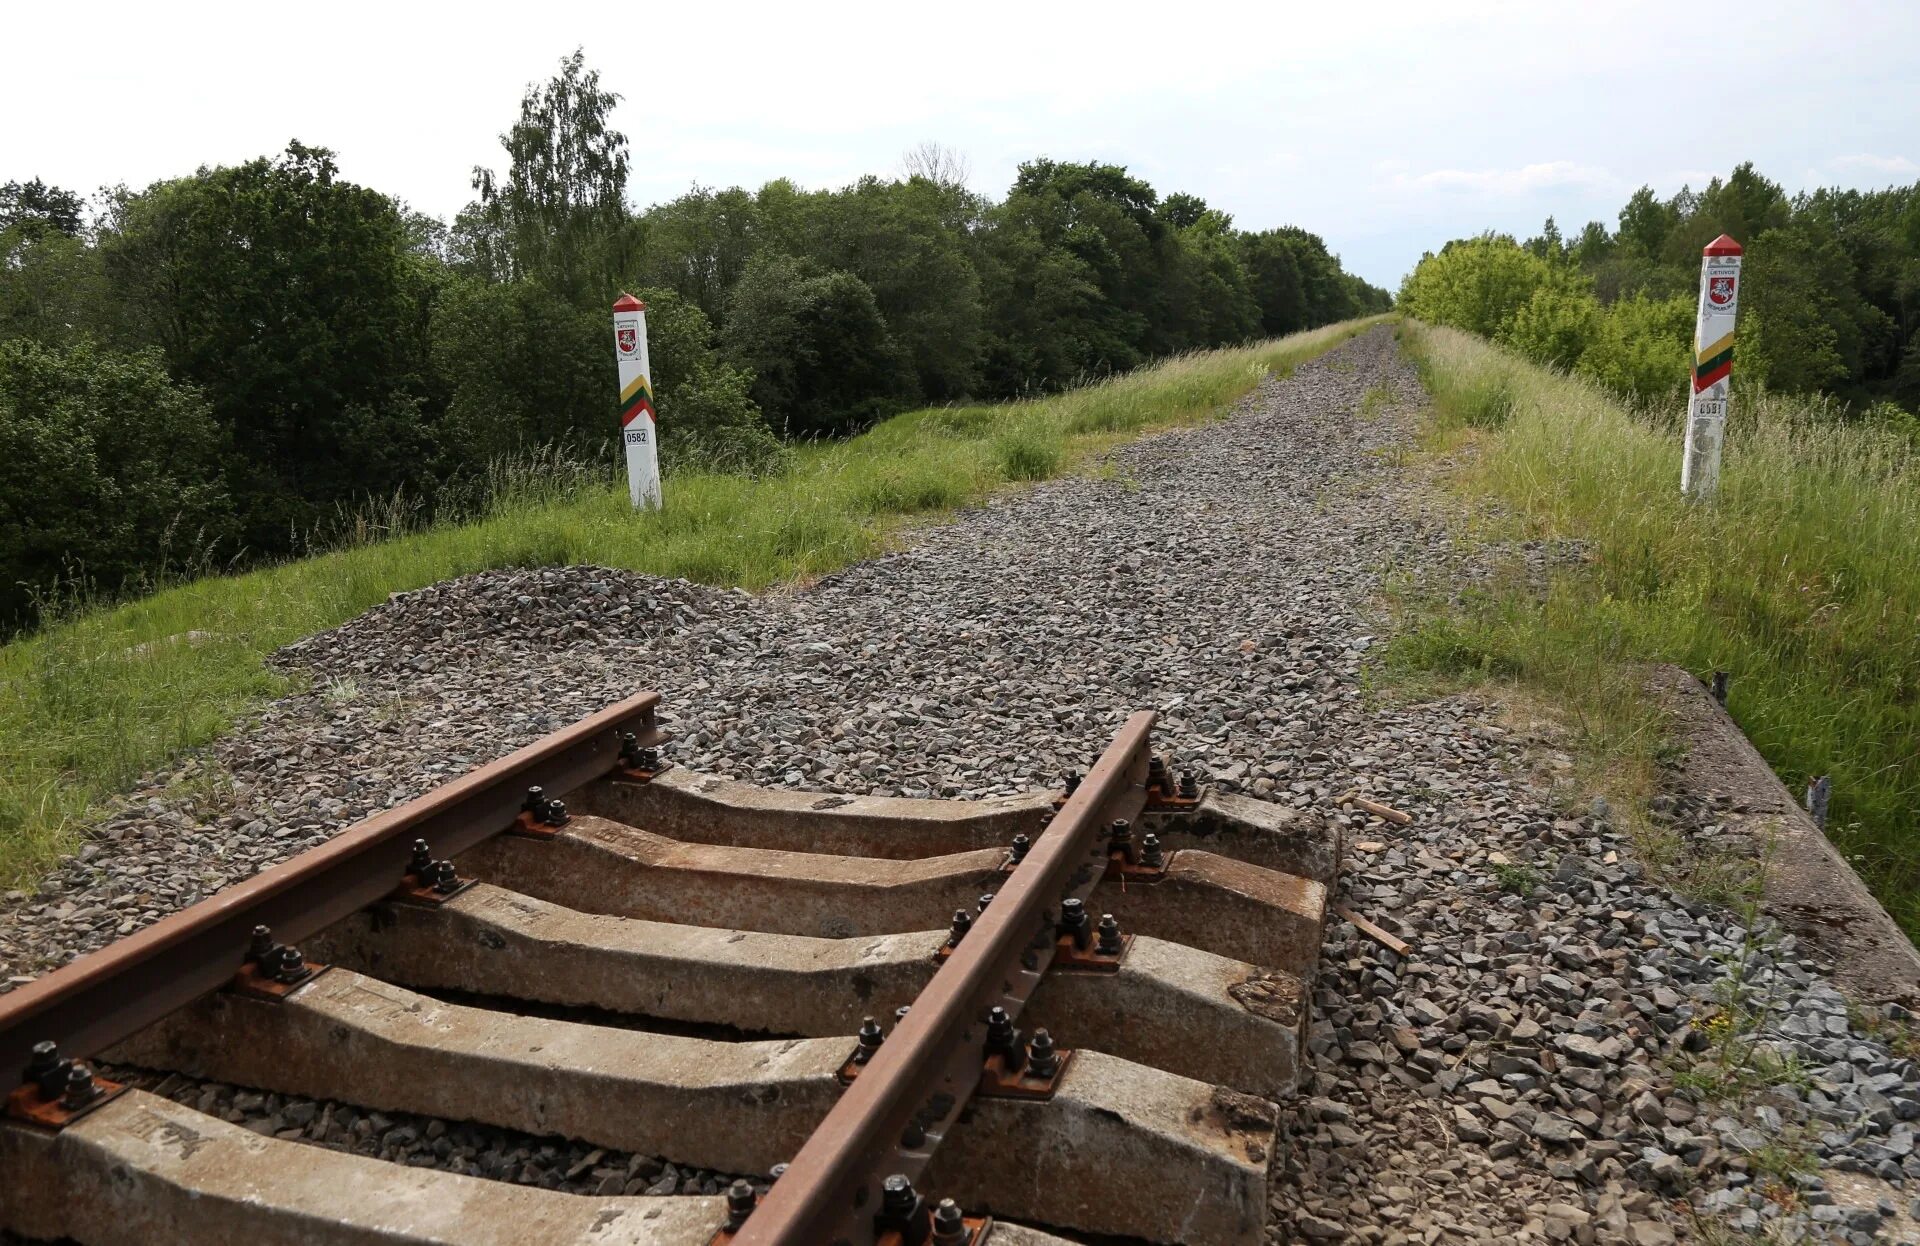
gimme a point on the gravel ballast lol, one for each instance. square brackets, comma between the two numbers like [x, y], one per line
[1511, 1079]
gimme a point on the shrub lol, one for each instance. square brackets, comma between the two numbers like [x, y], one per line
[817, 346]
[1476, 284]
[1556, 325]
[1642, 347]
[108, 471]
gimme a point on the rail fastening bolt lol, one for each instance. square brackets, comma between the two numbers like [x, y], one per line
[962, 922]
[629, 749]
[420, 860]
[900, 1014]
[556, 814]
[1150, 854]
[985, 900]
[1073, 921]
[740, 1203]
[914, 1136]
[779, 1171]
[80, 1089]
[446, 880]
[1020, 846]
[536, 803]
[1109, 935]
[1073, 782]
[1157, 773]
[869, 1040]
[949, 1226]
[288, 966]
[896, 1196]
[44, 1069]
[1004, 1041]
[1042, 1059]
[260, 945]
[1120, 839]
[1188, 788]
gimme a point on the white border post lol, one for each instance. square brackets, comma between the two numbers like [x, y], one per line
[638, 427]
[1712, 368]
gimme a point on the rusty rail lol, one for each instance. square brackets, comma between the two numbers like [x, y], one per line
[916, 1085]
[108, 995]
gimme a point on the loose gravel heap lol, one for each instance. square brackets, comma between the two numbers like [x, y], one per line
[1513, 1079]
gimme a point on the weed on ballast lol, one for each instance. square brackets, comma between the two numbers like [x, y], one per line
[1518, 880]
[1738, 1058]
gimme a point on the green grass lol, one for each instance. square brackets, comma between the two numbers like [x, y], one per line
[1802, 581]
[95, 700]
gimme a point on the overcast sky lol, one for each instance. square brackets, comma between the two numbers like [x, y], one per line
[1387, 129]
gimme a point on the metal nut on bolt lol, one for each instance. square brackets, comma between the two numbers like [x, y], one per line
[1109, 930]
[868, 1040]
[45, 1070]
[80, 1088]
[949, 1226]
[633, 757]
[1019, 850]
[897, 1199]
[288, 966]
[962, 922]
[1150, 854]
[740, 1203]
[1042, 1058]
[1004, 1041]
[1073, 921]
[260, 945]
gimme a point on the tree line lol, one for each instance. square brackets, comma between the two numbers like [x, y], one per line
[1829, 303]
[219, 367]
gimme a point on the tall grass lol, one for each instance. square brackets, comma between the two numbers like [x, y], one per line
[1802, 580]
[97, 698]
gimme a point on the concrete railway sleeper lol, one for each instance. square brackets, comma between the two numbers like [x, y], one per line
[923, 1022]
[1166, 1005]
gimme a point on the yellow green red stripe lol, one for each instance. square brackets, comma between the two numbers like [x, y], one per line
[636, 396]
[1713, 363]
[1724, 345]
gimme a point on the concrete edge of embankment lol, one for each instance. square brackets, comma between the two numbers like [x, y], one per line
[1809, 887]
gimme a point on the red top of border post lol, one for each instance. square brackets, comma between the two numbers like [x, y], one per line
[626, 302]
[1722, 245]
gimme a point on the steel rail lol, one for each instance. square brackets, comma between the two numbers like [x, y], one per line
[930, 1065]
[110, 994]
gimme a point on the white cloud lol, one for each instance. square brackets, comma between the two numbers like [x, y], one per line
[1896, 166]
[1525, 180]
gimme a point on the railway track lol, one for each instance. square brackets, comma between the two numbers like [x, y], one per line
[942, 1022]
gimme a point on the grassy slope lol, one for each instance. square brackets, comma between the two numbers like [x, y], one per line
[1802, 582]
[90, 704]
